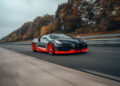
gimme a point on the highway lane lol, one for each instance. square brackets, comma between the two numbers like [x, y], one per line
[100, 59]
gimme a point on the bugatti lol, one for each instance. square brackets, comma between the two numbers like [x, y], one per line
[59, 44]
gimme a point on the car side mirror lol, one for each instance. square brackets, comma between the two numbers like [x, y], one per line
[45, 38]
[39, 39]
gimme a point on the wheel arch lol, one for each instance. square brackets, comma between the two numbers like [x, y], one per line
[52, 45]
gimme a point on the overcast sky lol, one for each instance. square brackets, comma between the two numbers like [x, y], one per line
[13, 13]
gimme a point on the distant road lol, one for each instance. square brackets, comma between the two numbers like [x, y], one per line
[98, 59]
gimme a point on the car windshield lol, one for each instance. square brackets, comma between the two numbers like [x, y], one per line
[59, 36]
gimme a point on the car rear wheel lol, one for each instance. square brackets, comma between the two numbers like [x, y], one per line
[33, 47]
[51, 49]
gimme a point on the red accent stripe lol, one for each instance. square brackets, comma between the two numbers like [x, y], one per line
[41, 49]
[71, 51]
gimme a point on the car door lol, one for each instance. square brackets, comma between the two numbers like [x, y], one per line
[42, 42]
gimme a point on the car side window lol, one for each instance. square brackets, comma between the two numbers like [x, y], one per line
[43, 39]
[48, 37]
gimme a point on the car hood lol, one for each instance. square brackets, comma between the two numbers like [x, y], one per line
[68, 41]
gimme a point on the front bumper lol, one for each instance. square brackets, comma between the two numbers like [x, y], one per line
[71, 51]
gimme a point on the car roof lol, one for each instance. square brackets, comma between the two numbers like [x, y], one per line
[52, 34]
[55, 34]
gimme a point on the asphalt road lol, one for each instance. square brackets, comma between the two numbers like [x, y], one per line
[99, 59]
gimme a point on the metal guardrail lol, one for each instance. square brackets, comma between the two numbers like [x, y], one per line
[103, 42]
[111, 39]
[98, 36]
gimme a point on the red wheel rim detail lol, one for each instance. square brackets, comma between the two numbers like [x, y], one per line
[33, 46]
[50, 48]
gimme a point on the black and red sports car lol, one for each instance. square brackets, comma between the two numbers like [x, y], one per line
[59, 44]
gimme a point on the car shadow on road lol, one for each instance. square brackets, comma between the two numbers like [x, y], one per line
[73, 54]
[57, 55]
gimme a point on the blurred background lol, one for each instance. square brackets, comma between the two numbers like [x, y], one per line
[71, 17]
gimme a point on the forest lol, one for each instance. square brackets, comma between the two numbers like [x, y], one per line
[74, 17]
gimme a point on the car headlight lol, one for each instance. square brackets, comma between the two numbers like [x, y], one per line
[58, 42]
[82, 41]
